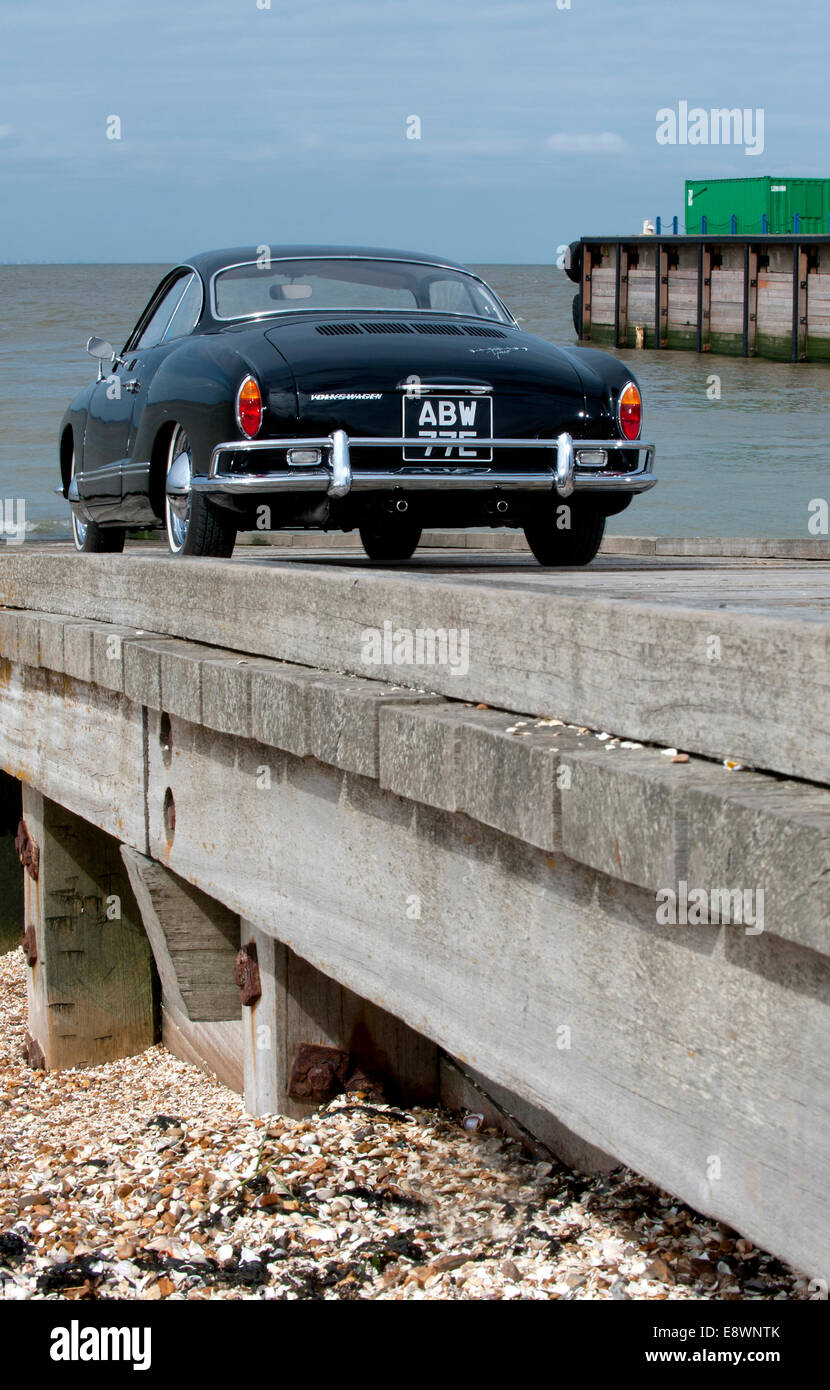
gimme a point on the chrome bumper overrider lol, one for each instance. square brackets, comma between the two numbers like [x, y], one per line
[334, 475]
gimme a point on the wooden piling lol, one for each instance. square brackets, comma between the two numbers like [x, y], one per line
[89, 976]
[765, 296]
[357, 1043]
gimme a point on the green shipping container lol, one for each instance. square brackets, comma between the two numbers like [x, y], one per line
[750, 201]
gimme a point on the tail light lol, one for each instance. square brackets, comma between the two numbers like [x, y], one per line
[249, 407]
[630, 411]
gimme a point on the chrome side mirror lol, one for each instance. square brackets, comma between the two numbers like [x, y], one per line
[103, 351]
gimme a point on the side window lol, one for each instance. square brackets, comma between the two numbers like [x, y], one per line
[186, 316]
[154, 330]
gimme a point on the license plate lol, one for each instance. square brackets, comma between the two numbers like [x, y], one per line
[451, 423]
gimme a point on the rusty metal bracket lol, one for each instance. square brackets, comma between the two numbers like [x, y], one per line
[246, 974]
[370, 1086]
[29, 945]
[27, 851]
[317, 1073]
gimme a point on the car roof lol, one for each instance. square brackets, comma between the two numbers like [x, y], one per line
[208, 262]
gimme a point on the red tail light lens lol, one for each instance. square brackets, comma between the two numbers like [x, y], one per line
[249, 407]
[630, 412]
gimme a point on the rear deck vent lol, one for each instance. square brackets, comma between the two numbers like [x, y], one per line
[484, 332]
[332, 330]
[381, 326]
[448, 329]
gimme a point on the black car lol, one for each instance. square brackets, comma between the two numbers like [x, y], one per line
[333, 387]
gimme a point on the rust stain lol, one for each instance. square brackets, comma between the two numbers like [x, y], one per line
[246, 974]
[318, 1073]
[27, 851]
[29, 945]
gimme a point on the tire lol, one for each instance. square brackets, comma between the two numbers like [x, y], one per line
[395, 541]
[193, 527]
[578, 546]
[576, 311]
[91, 539]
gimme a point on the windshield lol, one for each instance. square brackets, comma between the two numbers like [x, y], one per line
[317, 282]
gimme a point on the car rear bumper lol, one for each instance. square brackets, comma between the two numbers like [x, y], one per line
[559, 468]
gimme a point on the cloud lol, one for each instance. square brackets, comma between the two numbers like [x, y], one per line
[6, 131]
[575, 142]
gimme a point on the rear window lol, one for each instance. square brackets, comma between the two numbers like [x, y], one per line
[315, 283]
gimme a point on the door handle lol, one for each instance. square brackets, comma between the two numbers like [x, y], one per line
[132, 385]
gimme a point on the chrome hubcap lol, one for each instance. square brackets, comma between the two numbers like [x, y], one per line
[177, 489]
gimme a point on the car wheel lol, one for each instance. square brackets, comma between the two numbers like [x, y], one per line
[396, 541]
[578, 546]
[90, 538]
[193, 526]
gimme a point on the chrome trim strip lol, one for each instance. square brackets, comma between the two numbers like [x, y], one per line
[308, 480]
[146, 316]
[424, 387]
[377, 441]
[187, 282]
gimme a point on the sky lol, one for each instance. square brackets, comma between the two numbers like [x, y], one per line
[244, 122]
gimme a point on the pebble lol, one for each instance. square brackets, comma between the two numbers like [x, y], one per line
[157, 1185]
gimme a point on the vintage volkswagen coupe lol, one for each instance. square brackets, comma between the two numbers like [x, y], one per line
[341, 388]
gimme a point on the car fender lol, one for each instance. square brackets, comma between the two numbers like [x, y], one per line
[196, 386]
[74, 418]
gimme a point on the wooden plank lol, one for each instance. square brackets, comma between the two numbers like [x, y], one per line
[214, 1047]
[85, 753]
[800, 287]
[750, 301]
[587, 277]
[90, 989]
[621, 310]
[704, 299]
[194, 940]
[661, 307]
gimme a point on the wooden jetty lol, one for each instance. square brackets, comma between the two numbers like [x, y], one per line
[750, 296]
[300, 867]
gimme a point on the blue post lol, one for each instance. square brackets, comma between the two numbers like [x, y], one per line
[675, 225]
[659, 225]
[703, 226]
[796, 222]
[734, 225]
[765, 222]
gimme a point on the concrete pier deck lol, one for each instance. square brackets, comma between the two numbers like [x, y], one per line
[726, 658]
[448, 859]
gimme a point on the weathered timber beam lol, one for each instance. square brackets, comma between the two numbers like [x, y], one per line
[89, 975]
[546, 651]
[194, 940]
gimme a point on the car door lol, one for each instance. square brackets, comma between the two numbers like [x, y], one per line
[144, 363]
[111, 410]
